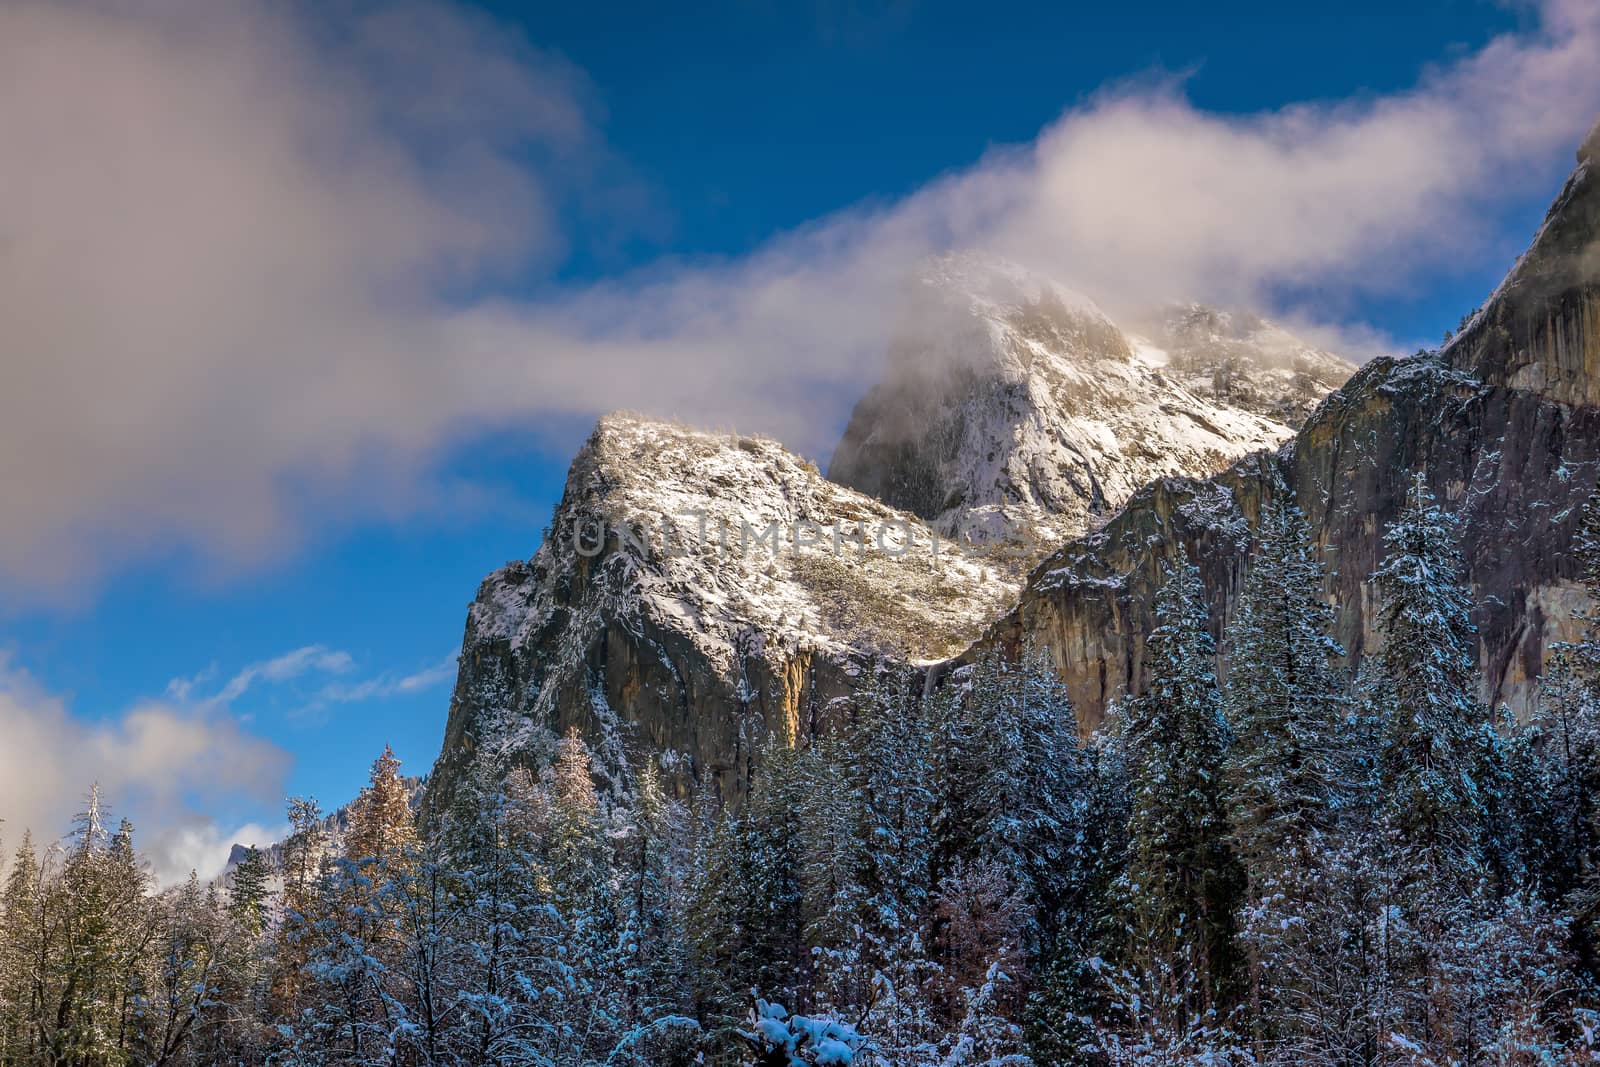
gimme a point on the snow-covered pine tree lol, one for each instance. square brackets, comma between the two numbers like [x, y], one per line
[508, 980]
[833, 866]
[1068, 990]
[1286, 768]
[238, 1027]
[1571, 726]
[1013, 849]
[746, 918]
[99, 922]
[178, 1009]
[1429, 689]
[382, 831]
[22, 944]
[1449, 864]
[1499, 771]
[654, 933]
[303, 856]
[1183, 881]
[1283, 702]
[583, 883]
[348, 927]
[890, 775]
[1042, 781]
[1560, 781]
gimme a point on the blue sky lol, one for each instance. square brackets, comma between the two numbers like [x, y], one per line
[678, 147]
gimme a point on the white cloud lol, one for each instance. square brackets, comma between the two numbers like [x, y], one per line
[165, 765]
[169, 762]
[244, 247]
[387, 685]
[310, 659]
[438, 674]
[204, 847]
[310, 662]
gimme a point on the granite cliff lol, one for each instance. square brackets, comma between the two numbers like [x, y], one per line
[694, 592]
[1504, 423]
[1016, 412]
[697, 592]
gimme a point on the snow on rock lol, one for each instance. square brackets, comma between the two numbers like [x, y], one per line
[715, 536]
[1016, 413]
[1237, 359]
[696, 591]
[1504, 424]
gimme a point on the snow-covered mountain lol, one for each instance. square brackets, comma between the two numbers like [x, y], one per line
[695, 590]
[1503, 423]
[1015, 411]
[1239, 359]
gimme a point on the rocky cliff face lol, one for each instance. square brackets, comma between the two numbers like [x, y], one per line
[1505, 424]
[1016, 412]
[694, 592]
[698, 592]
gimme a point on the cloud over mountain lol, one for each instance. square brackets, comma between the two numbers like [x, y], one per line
[256, 261]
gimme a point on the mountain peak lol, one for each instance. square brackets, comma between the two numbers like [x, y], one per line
[1537, 330]
[1015, 410]
[714, 571]
[995, 284]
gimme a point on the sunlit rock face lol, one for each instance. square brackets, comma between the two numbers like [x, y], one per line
[1504, 422]
[696, 594]
[1034, 465]
[645, 622]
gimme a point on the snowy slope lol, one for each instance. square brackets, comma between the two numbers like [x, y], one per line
[689, 597]
[701, 535]
[697, 592]
[1017, 413]
[1243, 360]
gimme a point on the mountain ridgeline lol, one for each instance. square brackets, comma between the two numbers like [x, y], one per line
[1503, 423]
[1040, 465]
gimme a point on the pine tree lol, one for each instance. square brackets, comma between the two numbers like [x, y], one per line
[1571, 724]
[1443, 773]
[1427, 668]
[22, 946]
[354, 929]
[746, 920]
[1027, 792]
[583, 881]
[1183, 881]
[382, 825]
[184, 982]
[653, 930]
[886, 960]
[502, 978]
[247, 892]
[83, 1005]
[1560, 774]
[1284, 703]
[1014, 845]
[1068, 989]
[1285, 706]
[303, 857]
